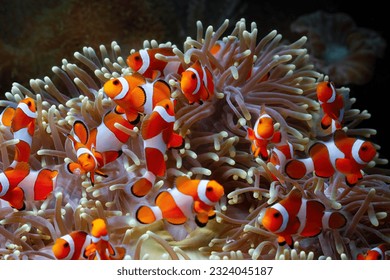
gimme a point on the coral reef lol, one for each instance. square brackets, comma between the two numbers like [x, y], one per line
[251, 74]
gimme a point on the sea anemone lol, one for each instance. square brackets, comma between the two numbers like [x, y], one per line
[250, 73]
[339, 48]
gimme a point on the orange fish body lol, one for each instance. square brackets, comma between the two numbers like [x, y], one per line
[100, 247]
[197, 83]
[38, 184]
[146, 63]
[187, 199]
[295, 215]
[9, 185]
[72, 246]
[376, 253]
[158, 135]
[22, 124]
[332, 104]
[347, 155]
[262, 135]
[135, 95]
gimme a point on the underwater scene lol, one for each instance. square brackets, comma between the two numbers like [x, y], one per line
[226, 131]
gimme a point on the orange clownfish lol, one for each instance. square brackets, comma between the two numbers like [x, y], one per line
[262, 135]
[135, 95]
[197, 83]
[86, 160]
[295, 215]
[332, 104]
[100, 248]
[100, 146]
[157, 133]
[347, 155]
[376, 253]
[186, 199]
[146, 63]
[21, 122]
[72, 246]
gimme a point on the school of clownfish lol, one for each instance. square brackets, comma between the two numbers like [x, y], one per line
[143, 97]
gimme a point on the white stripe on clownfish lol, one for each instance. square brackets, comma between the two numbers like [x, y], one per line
[125, 88]
[164, 114]
[355, 151]
[198, 84]
[4, 184]
[202, 189]
[145, 61]
[302, 214]
[183, 201]
[283, 211]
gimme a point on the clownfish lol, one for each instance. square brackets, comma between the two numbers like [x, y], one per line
[38, 184]
[187, 199]
[21, 121]
[135, 95]
[262, 135]
[347, 155]
[197, 83]
[331, 103]
[295, 215]
[72, 246]
[100, 146]
[100, 248]
[376, 253]
[146, 63]
[158, 136]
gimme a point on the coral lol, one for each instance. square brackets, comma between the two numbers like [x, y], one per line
[339, 48]
[249, 73]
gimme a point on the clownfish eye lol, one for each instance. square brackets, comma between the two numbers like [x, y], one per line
[116, 82]
[28, 103]
[328, 84]
[137, 58]
[66, 245]
[209, 189]
[193, 76]
[276, 215]
[89, 156]
[166, 106]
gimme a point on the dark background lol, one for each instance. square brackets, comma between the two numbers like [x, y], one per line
[35, 35]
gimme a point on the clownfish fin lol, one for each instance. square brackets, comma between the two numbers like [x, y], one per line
[141, 187]
[45, 186]
[163, 87]
[100, 173]
[326, 121]
[119, 253]
[145, 215]
[201, 219]
[344, 165]
[133, 117]
[250, 134]
[81, 130]
[138, 97]
[352, 179]
[119, 110]
[6, 116]
[74, 168]
[24, 166]
[181, 180]
[15, 198]
[337, 220]
[277, 137]
[176, 141]
[295, 169]
[155, 74]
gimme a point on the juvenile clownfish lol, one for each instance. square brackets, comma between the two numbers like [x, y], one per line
[376, 253]
[72, 246]
[295, 215]
[146, 63]
[100, 248]
[197, 83]
[262, 135]
[158, 136]
[347, 155]
[332, 104]
[186, 199]
[136, 96]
